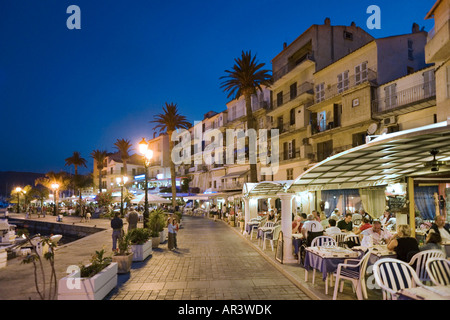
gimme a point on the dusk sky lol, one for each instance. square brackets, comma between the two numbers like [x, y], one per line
[67, 90]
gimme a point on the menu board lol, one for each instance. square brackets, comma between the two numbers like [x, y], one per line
[396, 203]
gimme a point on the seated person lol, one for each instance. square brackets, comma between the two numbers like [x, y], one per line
[297, 224]
[296, 229]
[440, 226]
[357, 218]
[403, 244]
[311, 227]
[364, 226]
[377, 234]
[432, 242]
[324, 221]
[332, 229]
[271, 216]
[346, 224]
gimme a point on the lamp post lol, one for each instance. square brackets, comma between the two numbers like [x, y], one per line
[121, 182]
[18, 191]
[55, 187]
[147, 154]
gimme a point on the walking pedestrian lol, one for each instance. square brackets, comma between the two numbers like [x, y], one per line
[116, 225]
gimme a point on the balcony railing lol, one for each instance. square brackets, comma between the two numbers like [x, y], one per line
[331, 91]
[406, 97]
[305, 87]
[291, 66]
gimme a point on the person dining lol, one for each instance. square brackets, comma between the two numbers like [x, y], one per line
[332, 229]
[296, 229]
[311, 227]
[432, 242]
[271, 216]
[346, 224]
[439, 226]
[364, 226]
[376, 233]
[403, 244]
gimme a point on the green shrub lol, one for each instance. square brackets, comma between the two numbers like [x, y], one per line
[98, 263]
[139, 235]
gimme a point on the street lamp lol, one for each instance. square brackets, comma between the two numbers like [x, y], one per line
[147, 154]
[121, 182]
[18, 191]
[55, 187]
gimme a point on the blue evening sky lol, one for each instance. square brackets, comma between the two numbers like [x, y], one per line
[67, 90]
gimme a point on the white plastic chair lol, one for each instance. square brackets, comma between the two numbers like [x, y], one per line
[354, 238]
[271, 235]
[255, 228]
[267, 224]
[438, 270]
[339, 238]
[345, 272]
[392, 275]
[420, 259]
[323, 241]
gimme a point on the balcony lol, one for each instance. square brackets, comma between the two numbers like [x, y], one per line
[438, 45]
[411, 99]
[305, 61]
[301, 89]
[331, 91]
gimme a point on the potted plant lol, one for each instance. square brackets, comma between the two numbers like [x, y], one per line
[156, 223]
[124, 257]
[231, 219]
[141, 243]
[89, 282]
[242, 223]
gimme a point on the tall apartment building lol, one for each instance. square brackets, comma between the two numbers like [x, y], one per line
[294, 71]
[437, 50]
[347, 100]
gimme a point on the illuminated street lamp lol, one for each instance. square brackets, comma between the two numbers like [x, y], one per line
[18, 191]
[147, 154]
[121, 182]
[55, 187]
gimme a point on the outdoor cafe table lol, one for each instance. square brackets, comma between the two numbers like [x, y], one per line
[425, 293]
[326, 260]
[250, 226]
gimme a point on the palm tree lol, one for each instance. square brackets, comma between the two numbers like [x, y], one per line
[123, 146]
[99, 156]
[169, 121]
[245, 79]
[76, 160]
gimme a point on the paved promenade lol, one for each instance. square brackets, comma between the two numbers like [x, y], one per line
[213, 261]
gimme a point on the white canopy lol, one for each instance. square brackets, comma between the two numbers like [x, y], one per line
[152, 198]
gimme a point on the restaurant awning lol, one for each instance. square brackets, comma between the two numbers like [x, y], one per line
[266, 188]
[235, 174]
[388, 158]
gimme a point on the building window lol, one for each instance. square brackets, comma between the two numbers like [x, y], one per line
[290, 174]
[279, 98]
[324, 150]
[361, 73]
[428, 84]
[292, 117]
[343, 81]
[293, 90]
[320, 92]
[390, 95]
[348, 35]
[359, 139]
[410, 50]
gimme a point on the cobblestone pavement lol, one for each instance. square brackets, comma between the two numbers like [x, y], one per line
[211, 263]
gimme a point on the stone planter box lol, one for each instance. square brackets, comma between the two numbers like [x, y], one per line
[123, 262]
[141, 251]
[3, 258]
[155, 242]
[94, 288]
[163, 235]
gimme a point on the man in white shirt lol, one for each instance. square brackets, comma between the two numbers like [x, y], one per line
[311, 225]
[332, 230]
[377, 233]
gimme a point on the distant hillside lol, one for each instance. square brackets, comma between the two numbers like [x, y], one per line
[12, 179]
